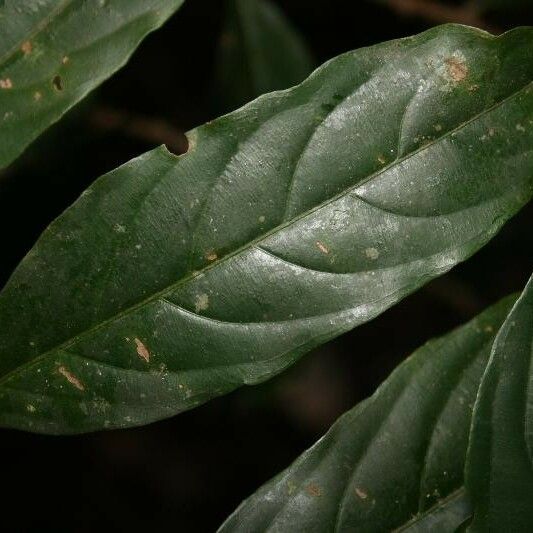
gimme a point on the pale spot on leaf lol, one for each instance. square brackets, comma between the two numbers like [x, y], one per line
[372, 253]
[6, 83]
[313, 490]
[202, 302]
[456, 68]
[361, 493]
[291, 486]
[71, 378]
[322, 247]
[26, 47]
[142, 350]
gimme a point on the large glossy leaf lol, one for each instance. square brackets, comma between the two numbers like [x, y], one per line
[259, 52]
[53, 52]
[499, 470]
[396, 460]
[306, 213]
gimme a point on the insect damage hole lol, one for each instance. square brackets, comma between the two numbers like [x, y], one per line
[57, 82]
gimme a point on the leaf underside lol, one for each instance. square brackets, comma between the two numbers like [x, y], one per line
[395, 461]
[288, 222]
[499, 472]
[53, 52]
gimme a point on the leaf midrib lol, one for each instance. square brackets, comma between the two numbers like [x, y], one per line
[156, 296]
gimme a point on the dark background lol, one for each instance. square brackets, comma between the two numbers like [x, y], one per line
[188, 473]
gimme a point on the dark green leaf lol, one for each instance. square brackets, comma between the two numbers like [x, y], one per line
[259, 52]
[53, 52]
[304, 214]
[396, 460]
[499, 472]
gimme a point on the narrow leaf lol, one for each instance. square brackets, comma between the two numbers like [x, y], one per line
[259, 52]
[53, 52]
[304, 214]
[499, 473]
[395, 461]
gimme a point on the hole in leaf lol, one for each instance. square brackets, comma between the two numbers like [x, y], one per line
[57, 82]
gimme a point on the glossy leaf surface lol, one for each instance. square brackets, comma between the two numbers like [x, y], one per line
[259, 52]
[395, 461]
[308, 212]
[53, 52]
[500, 456]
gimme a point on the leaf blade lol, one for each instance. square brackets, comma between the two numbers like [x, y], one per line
[228, 279]
[499, 467]
[395, 461]
[54, 53]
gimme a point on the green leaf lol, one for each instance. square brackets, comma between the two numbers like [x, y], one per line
[259, 52]
[302, 215]
[396, 460]
[499, 471]
[53, 52]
